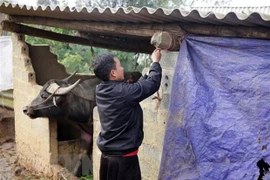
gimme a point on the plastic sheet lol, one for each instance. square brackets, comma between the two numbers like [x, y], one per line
[219, 112]
[6, 73]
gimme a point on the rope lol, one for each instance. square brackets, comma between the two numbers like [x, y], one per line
[54, 102]
[44, 102]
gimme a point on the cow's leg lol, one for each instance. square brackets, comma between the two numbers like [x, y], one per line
[84, 165]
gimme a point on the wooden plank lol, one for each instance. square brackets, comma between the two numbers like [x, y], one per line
[130, 45]
[128, 29]
[227, 31]
[148, 30]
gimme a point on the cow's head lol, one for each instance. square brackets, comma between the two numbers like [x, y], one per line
[52, 100]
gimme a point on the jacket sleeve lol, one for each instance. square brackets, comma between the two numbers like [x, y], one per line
[146, 86]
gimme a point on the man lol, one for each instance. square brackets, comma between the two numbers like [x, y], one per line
[121, 115]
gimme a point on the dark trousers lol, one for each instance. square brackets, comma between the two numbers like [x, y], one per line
[119, 168]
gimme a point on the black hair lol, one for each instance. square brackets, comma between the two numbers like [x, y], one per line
[103, 65]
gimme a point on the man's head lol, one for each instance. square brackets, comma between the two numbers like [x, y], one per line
[108, 67]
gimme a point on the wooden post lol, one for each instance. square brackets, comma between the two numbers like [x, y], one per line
[1, 30]
[166, 41]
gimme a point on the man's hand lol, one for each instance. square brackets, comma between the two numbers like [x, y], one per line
[156, 55]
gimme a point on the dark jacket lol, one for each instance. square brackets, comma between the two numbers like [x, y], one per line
[120, 113]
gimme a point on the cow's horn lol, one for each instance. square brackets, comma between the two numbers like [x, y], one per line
[69, 77]
[56, 89]
[65, 90]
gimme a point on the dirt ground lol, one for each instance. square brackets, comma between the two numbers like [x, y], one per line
[10, 169]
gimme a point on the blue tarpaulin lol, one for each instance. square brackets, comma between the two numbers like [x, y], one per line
[219, 112]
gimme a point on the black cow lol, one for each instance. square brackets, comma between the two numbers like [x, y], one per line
[74, 102]
[61, 99]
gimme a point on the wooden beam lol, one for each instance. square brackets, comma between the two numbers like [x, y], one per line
[124, 29]
[129, 45]
[166, 41]
[1, 31]
[148, 30]
[227, 31]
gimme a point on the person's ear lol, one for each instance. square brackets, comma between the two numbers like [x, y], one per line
[112, 74]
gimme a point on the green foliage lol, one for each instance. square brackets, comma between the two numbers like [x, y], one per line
[128, 60]
[64, 3]
[87, 177]
[126, 3]
[74, 63]
[212, 2]
[48, 2]
[73, 57]
[78, 57]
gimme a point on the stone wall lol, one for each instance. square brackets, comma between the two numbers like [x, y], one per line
[36, 140]
[155, 118]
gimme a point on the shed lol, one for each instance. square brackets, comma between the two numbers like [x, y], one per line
[127, 29]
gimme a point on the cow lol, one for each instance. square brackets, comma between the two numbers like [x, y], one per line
[73, 102]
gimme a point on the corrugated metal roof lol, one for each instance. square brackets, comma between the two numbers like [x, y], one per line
[262, 10]
[208, 15]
